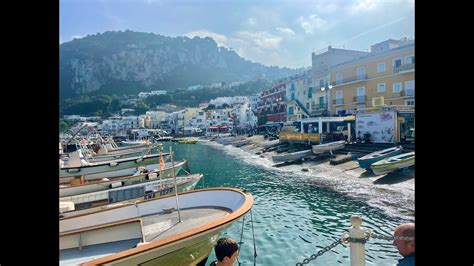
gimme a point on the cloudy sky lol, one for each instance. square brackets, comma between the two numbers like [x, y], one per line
[277, 32]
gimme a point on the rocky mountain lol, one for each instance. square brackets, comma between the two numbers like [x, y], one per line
[129, 62]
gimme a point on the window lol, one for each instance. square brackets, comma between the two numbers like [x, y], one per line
[397, 62]
[304, 92]
[381, 67]
[360, 106]
[338, 94]
[310, 92]
[361, 73]
[307, 105]
[310, 81]
[290, 110]
[410, 102]
[361, 91]
[397, 87]
[410, 59]
[321, 83]
[410, 88]
[381, 88]
[338, 78]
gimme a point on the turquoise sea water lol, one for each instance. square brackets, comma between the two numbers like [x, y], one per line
[293, 218]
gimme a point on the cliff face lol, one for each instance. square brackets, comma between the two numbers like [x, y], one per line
[128, 62]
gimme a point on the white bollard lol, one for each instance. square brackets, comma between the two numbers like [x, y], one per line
[357, 249]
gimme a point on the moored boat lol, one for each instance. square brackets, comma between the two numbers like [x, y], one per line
[367, 160]
[107, 183]
[187, 141]
[78, 167]
[289, 157]
[394, 163]
[328, 147]
[144, 190]
[149, 232]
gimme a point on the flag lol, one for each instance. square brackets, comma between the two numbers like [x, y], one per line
[162, 163]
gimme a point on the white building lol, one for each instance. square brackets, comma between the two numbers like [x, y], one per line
[230, 101]
[115, 124]
[195, 87]
[220, 117]
[156, 117]
[151, 93]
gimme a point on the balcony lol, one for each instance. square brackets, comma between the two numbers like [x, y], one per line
[404, 68]
[350, 79]
[360, 99]
[338, 101]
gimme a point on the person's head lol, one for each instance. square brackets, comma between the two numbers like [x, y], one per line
[405, 247]
[227, 251]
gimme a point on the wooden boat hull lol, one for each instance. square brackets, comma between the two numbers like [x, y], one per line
[177, 245]
[332, 146]
[121, 167]
[366, 161]
[110, 157]
[140, 192]
[388, 165]
[125, 181]
[291, 156]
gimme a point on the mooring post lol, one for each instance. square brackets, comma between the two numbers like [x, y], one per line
[358, 247]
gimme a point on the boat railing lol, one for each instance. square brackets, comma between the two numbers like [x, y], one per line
[356, 237]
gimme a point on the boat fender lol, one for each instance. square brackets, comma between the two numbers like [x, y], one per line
[116, 184]
[139, 160]
[152, 176]
[74, 170]
[113, 163]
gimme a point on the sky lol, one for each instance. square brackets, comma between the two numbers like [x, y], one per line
[275, 33]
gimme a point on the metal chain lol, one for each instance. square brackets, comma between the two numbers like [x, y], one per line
[346, 240]
[391, 238]
[319, 253]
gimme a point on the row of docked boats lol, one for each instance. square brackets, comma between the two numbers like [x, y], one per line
[140, 210]
[387, 160]
[315, 150]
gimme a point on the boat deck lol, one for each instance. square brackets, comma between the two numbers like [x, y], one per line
[154, 227]
[76, 256]
[158, 226]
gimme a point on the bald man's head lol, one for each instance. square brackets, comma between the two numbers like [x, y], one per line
[405, 247]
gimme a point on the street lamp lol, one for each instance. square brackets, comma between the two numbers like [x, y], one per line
[326, 88]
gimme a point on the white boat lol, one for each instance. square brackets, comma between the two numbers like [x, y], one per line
[144, 190]
[92, 157]
[148, 232]
[107, 183]
[328, 147]
[394, 163]
[289, 157]
[269, 143]
[78, 167]
[135, 142]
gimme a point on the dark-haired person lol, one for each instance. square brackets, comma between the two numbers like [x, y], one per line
[227, 252]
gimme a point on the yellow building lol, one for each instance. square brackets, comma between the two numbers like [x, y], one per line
[384, 77]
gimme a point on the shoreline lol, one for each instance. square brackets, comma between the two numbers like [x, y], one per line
[393, 192]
